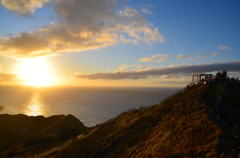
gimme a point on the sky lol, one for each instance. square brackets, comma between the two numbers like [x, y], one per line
[131, 43]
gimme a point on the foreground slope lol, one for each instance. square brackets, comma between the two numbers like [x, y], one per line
[199, 121]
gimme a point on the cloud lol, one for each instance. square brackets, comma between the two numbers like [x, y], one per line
[214, 54]
[129, 12]
[82, 25]
[158, 58]
[174, 79]
[146, 11]
[224, 47]
[156, 72]
[26, 44]
[125, 66]
[181, 56]
[203, 55]
[23, 7]
[8, 77]
[137, 28]
[141, 66]
[81, 15]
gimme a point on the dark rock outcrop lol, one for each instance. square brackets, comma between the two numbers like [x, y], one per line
[22, 133]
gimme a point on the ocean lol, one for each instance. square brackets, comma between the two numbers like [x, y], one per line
[91, 105]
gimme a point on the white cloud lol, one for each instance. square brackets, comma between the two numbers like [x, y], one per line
[142, 66]
[214, 54]
[158, 58]
[126, 66]
[83, 25]
[146, 11]
[203, 55]
[224, 47]
[129, 12]
[181, 56]
[23, 7]
[156, 72]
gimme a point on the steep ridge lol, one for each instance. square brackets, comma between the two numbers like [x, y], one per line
[199, 121]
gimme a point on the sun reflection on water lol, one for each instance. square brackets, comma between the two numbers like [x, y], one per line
[35, 106]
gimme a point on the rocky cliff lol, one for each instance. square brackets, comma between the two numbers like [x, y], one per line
[22, 135]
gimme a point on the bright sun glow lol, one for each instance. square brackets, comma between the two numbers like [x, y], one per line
[35, 72]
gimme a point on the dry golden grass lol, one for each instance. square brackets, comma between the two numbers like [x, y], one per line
[183, 125]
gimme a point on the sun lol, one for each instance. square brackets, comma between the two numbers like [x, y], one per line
[35, 72]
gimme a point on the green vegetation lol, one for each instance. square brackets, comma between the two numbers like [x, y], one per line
[198, 121]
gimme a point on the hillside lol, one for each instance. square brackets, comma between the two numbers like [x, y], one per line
[200, 121]
[25, 135]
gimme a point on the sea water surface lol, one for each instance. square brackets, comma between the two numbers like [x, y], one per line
[91, 105]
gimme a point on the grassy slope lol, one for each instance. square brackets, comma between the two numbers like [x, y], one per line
[191, 123]
[223, 104]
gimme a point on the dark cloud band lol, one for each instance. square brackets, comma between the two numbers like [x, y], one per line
[155, 72]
